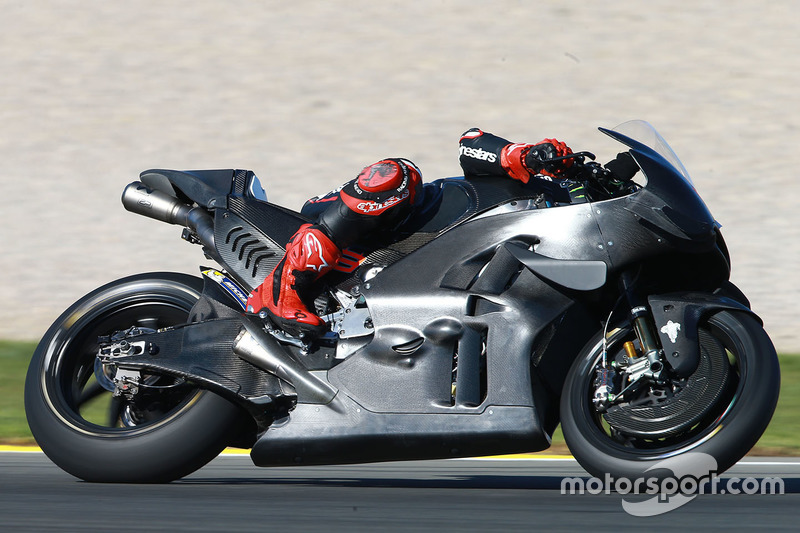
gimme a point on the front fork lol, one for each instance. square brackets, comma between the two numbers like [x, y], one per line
[643, 325]
[643, 364]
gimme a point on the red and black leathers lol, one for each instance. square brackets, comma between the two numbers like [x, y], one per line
[484, 154]
[380, 198]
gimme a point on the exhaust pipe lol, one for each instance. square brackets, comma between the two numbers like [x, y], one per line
[142, 200]
[256, 346]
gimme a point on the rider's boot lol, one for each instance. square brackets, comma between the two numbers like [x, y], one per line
[310, 254]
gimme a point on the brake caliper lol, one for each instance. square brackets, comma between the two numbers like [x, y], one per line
[604, 388]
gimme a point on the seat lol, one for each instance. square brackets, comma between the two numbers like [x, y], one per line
[207, 188]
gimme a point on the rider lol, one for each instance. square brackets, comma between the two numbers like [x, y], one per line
[381, 197]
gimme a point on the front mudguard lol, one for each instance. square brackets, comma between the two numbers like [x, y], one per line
[677, 316]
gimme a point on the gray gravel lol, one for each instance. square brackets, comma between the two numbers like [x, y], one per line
[306, 93]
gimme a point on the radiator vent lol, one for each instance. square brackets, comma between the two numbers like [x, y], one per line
[247, 252]
[248, 249]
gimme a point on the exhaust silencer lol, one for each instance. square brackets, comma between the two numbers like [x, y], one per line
[142, 200]
[138, 198]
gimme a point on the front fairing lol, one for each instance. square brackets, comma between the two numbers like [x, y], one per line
[668, 204]
[663, 225]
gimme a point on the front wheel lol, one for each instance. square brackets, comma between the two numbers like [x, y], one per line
[164, 432]
[721, 410]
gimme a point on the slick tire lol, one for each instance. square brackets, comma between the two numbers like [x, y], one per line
[731, 428]
[182, 431]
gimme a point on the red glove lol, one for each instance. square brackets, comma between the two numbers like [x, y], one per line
[536, 159]
[522, 160]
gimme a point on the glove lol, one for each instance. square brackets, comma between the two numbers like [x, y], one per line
[622, 167]
[538, 156]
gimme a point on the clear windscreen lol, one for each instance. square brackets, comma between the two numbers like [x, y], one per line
[646, 134]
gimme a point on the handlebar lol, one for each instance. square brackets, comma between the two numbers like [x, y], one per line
[600, 180]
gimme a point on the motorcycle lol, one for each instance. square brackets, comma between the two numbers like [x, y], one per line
[497, 312]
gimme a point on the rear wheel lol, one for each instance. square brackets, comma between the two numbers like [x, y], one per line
[721, 410]
[165, 431]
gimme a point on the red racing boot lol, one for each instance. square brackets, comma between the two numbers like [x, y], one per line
[310, 254]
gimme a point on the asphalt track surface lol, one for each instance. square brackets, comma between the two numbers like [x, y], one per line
[230, 494]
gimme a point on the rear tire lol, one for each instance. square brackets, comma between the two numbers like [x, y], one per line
[731, 427]
[164, 434]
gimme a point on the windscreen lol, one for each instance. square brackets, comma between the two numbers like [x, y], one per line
[646, 134]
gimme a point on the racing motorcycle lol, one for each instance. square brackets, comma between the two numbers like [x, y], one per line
[499, 311]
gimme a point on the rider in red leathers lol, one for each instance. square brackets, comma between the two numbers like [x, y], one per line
[379, 198]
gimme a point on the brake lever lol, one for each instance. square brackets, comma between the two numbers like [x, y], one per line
[584, 154]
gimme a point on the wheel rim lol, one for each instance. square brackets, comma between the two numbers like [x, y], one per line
[607, 437]
[69, 385]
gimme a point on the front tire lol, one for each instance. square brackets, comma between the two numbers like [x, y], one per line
[164, 433]
[732, 425]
